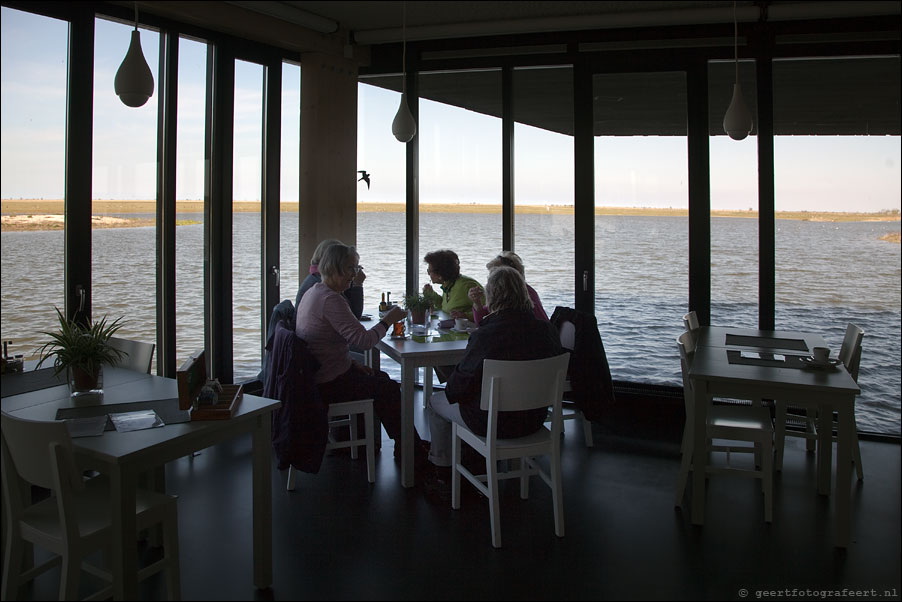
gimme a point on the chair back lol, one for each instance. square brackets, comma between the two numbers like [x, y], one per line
[568, 335]
[137, 356]
[690, 320]
[850, 352]
[686, 343]
[509, 386]
[29, 452]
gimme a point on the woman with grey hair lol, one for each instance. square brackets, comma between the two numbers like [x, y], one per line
[477, 295]
[325, 322]
[510, 332]
[354, 294]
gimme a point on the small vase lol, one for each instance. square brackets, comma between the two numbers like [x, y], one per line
[84, 383]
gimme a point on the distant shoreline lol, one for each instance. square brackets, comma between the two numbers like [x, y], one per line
[37, 214]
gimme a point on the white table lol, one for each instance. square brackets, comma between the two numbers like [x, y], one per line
[123, 456]
[412, 355]
[830, 390]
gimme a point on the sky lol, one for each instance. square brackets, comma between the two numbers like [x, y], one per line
[460, 151]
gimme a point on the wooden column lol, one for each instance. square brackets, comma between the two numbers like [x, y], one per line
[328, 157]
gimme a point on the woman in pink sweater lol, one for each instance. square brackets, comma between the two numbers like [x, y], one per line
[477, 295]
[325, 322]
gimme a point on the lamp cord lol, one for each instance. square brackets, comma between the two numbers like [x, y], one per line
[403, 47]
[736, 41]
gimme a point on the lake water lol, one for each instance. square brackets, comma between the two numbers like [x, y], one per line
[828, 274]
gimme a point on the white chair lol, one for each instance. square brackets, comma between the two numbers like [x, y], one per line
[850, 356]
[728, 422]
[138, 356]
[512, 386]
[345, 414]
[74, 522]
[571, 411]
[690, 321]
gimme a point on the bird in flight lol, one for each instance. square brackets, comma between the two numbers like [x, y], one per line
[365, 177]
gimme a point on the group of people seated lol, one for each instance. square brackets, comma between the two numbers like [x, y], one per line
[512, 325]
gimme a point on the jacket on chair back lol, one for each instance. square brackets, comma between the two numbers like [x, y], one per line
[589, 373]
[300, 428]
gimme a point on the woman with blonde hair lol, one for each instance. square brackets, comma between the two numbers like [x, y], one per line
[354, 293]
[477, 295]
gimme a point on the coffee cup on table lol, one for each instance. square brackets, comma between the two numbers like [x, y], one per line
[820, 354]
[461, 323]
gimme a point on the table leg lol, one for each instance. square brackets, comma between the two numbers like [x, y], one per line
[408, 373]
[262, 502]
[123, 483]
[824, 448]
[844, 443]
[699, 453]
[427, 384]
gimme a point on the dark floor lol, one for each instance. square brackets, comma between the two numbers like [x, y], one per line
[337, 537]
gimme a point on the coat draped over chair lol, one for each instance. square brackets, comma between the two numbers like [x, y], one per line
[589, 373]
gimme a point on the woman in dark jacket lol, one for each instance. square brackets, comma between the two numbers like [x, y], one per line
[510, 332]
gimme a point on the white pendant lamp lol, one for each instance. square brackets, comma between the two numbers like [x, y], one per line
[134, 81]
[738, 120]
[403, 126]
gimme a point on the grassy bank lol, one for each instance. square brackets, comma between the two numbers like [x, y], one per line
[34, 214]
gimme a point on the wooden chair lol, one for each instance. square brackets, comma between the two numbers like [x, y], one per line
[850, 356]
[511, 386]
[74, 522]
[138, 356]
[728, 422]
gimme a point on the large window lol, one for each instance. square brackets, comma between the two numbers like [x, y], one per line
[123, 245]
[460, 169]
[380, 203]
[247, 189]
[837, 235]
[189, 232]
[543, 182]
[289, 277]
[32, 155]
[641, 228]
[734, 202]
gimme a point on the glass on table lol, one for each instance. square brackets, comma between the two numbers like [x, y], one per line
[398, 329]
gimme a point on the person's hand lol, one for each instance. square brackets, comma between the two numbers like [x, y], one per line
[427, 288]
[359, 278]
[458, 314]
[395, 315]
[362, 368]
[476, 295]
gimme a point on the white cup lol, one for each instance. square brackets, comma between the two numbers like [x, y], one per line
[821, 354]
[461, 323]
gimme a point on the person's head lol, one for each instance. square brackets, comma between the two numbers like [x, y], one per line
[506, 289]
[321, 248]
[442, 265]
[338, 266]
[506, 258]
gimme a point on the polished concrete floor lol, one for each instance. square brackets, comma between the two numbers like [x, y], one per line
[337, 537]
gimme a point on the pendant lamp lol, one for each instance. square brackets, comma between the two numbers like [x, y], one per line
[403, 126]
[134, 81]
[738, 120]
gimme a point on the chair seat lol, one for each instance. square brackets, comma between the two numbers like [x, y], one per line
[740, 417]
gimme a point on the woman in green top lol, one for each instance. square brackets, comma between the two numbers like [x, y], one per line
[443, 268]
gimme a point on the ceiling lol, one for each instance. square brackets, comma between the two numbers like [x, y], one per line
[835, 97]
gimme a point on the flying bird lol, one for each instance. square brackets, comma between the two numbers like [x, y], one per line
[365, 177]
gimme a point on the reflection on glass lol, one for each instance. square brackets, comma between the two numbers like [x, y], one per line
[33, 114]
[641, 231]
[123, 244]
[837, 250]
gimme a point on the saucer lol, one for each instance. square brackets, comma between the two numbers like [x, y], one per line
[399, 338]
[464, 330]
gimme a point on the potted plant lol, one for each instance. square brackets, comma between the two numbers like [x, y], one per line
[418, 306]
[82, 348]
